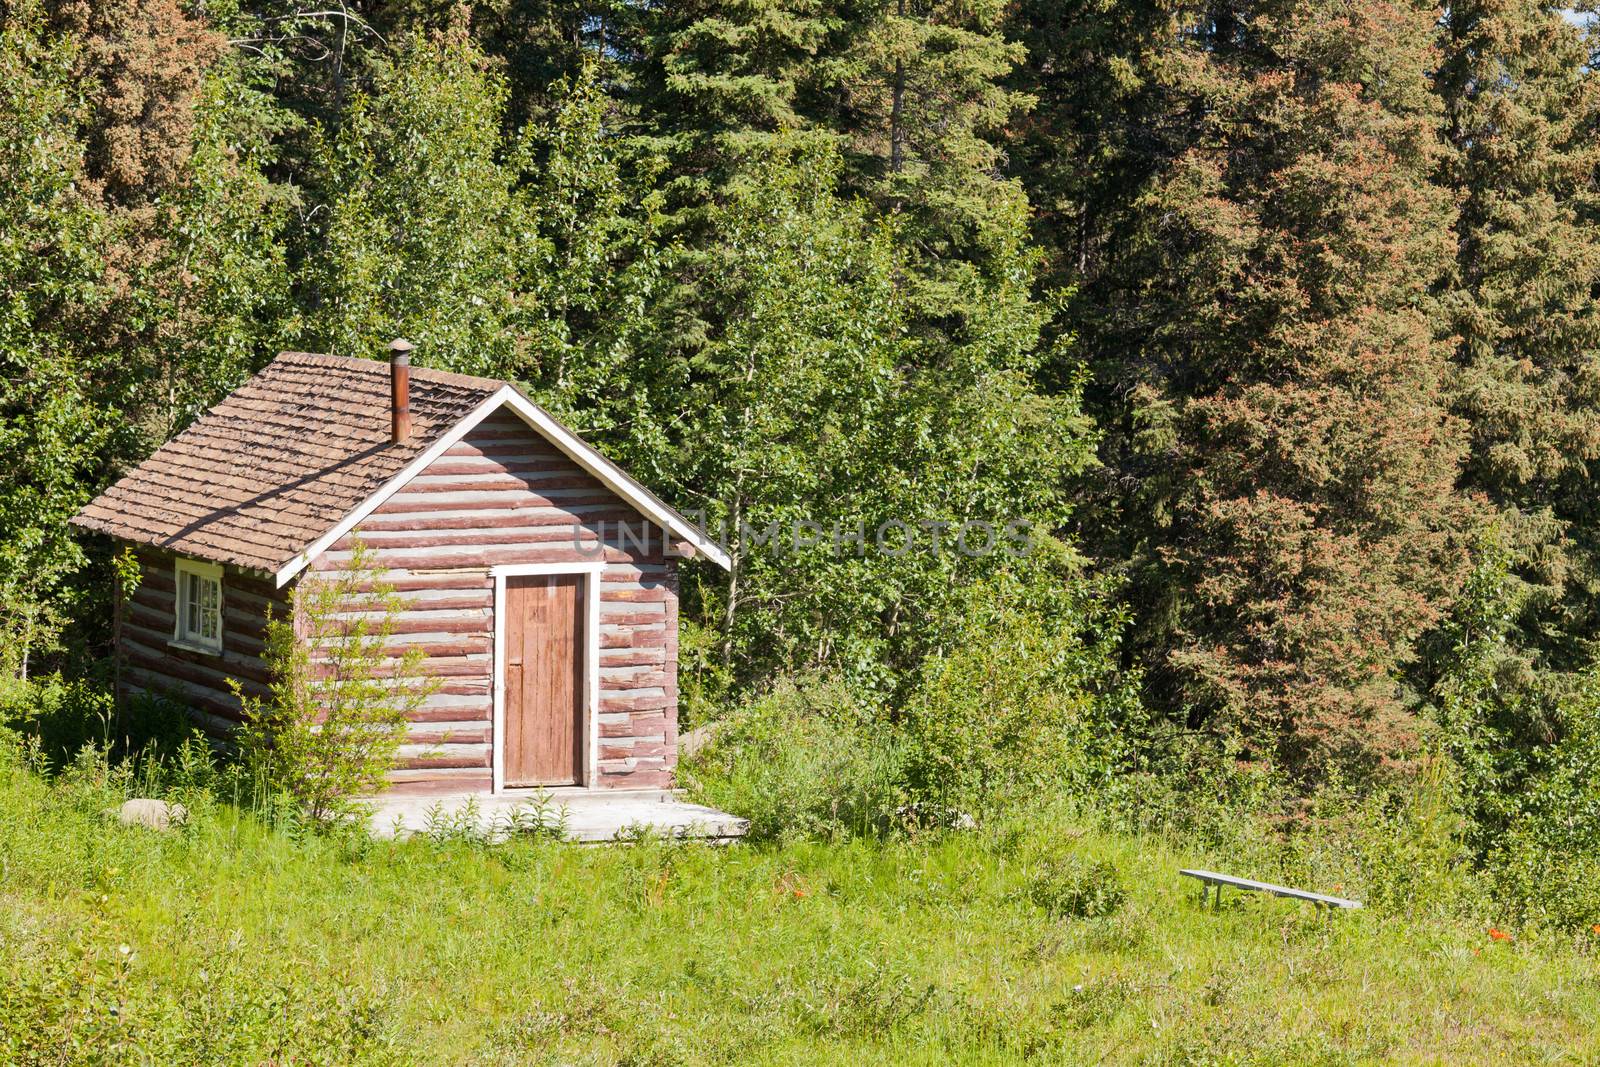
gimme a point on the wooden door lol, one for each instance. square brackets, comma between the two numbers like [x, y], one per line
[544, 639]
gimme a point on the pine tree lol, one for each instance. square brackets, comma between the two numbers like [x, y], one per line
[1522, 116]
[1280, 462]
[922, 106]
[910, 91]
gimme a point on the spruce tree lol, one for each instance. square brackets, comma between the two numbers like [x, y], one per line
[910, 91]
[1522, 119]
[922, 106]
[1280, 462]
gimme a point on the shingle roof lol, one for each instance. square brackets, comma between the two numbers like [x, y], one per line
[258, 478]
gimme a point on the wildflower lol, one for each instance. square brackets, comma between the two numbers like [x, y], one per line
[1595, 928]
[1498, 934]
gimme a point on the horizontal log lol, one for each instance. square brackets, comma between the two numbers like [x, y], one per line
[216, 728]
[466, 735]
[158, 567]
[460, 687]
[618, 615]
[443, 666]
[453, 581]
[494, 556]
[530, 445]
[199, 674]
[641, 725]
[452, 714]
[490, 477]
[507, 461]
[445, 761]
[469, 488]
[659, 571]
[438, 782]
[221, 704]
[420, 623]
[633, 594]
[163, 591]
[475, 601]
[439, 649]
[645, 679]
[493, 500]
[628, 656]
[633, 703]
[372, 529]
[156, 630]
[571, 532]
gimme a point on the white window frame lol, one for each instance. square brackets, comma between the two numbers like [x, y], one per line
[182, 635]
[592, 573]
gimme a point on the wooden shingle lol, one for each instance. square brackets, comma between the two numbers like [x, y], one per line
[258, 478]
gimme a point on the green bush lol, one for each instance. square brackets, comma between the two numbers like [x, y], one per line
[340, 703]
[1077, 888]
[808, 758]
[1027, 698]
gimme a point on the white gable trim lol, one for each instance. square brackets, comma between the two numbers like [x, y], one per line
[612, 476]
[572, 446]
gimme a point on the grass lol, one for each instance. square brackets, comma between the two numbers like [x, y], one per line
[232, 942]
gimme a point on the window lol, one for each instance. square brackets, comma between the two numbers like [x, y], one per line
[199, 607]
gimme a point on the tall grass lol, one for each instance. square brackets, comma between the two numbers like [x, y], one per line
[1035, 938]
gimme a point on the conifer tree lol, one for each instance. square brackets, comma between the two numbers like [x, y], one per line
[922, 106]
[1280, 463]
[910, 91]
[1522, 117]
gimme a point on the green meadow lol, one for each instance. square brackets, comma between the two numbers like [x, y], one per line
[234, 941]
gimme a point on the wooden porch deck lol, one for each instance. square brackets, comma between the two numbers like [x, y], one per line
[588, 815]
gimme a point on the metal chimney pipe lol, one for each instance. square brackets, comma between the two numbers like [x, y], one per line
[399, 390]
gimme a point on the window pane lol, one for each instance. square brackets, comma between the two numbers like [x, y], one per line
[211, 615]
[191, 604]
[199, 608]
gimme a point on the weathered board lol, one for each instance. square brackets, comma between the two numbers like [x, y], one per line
[150, 663]
[503, 495]
[544, 679]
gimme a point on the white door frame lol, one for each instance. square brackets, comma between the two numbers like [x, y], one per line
[591, 661]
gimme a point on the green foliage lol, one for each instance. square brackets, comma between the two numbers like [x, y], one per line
[808, 759]
[421, 231]
[53, 426]
[1281, 465]
[229, 303]
[1522, 117]
[1076, 888]
[821, 412]
[233, 942]
[340, 698]
[1027, 701]
[1025, 698]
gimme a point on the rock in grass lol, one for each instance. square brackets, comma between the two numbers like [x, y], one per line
[151, 814]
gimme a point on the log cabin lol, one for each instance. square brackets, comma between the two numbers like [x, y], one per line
[539, 580]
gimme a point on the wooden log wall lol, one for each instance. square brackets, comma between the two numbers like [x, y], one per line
[504, 495]
[152, 664]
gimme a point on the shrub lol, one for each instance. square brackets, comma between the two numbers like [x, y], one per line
[807, 758]
[1078, 888]
[1027, 698]
[340, 699]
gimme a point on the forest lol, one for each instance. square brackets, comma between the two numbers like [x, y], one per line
[1276, 323]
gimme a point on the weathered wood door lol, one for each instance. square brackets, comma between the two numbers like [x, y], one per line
[543, 680]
